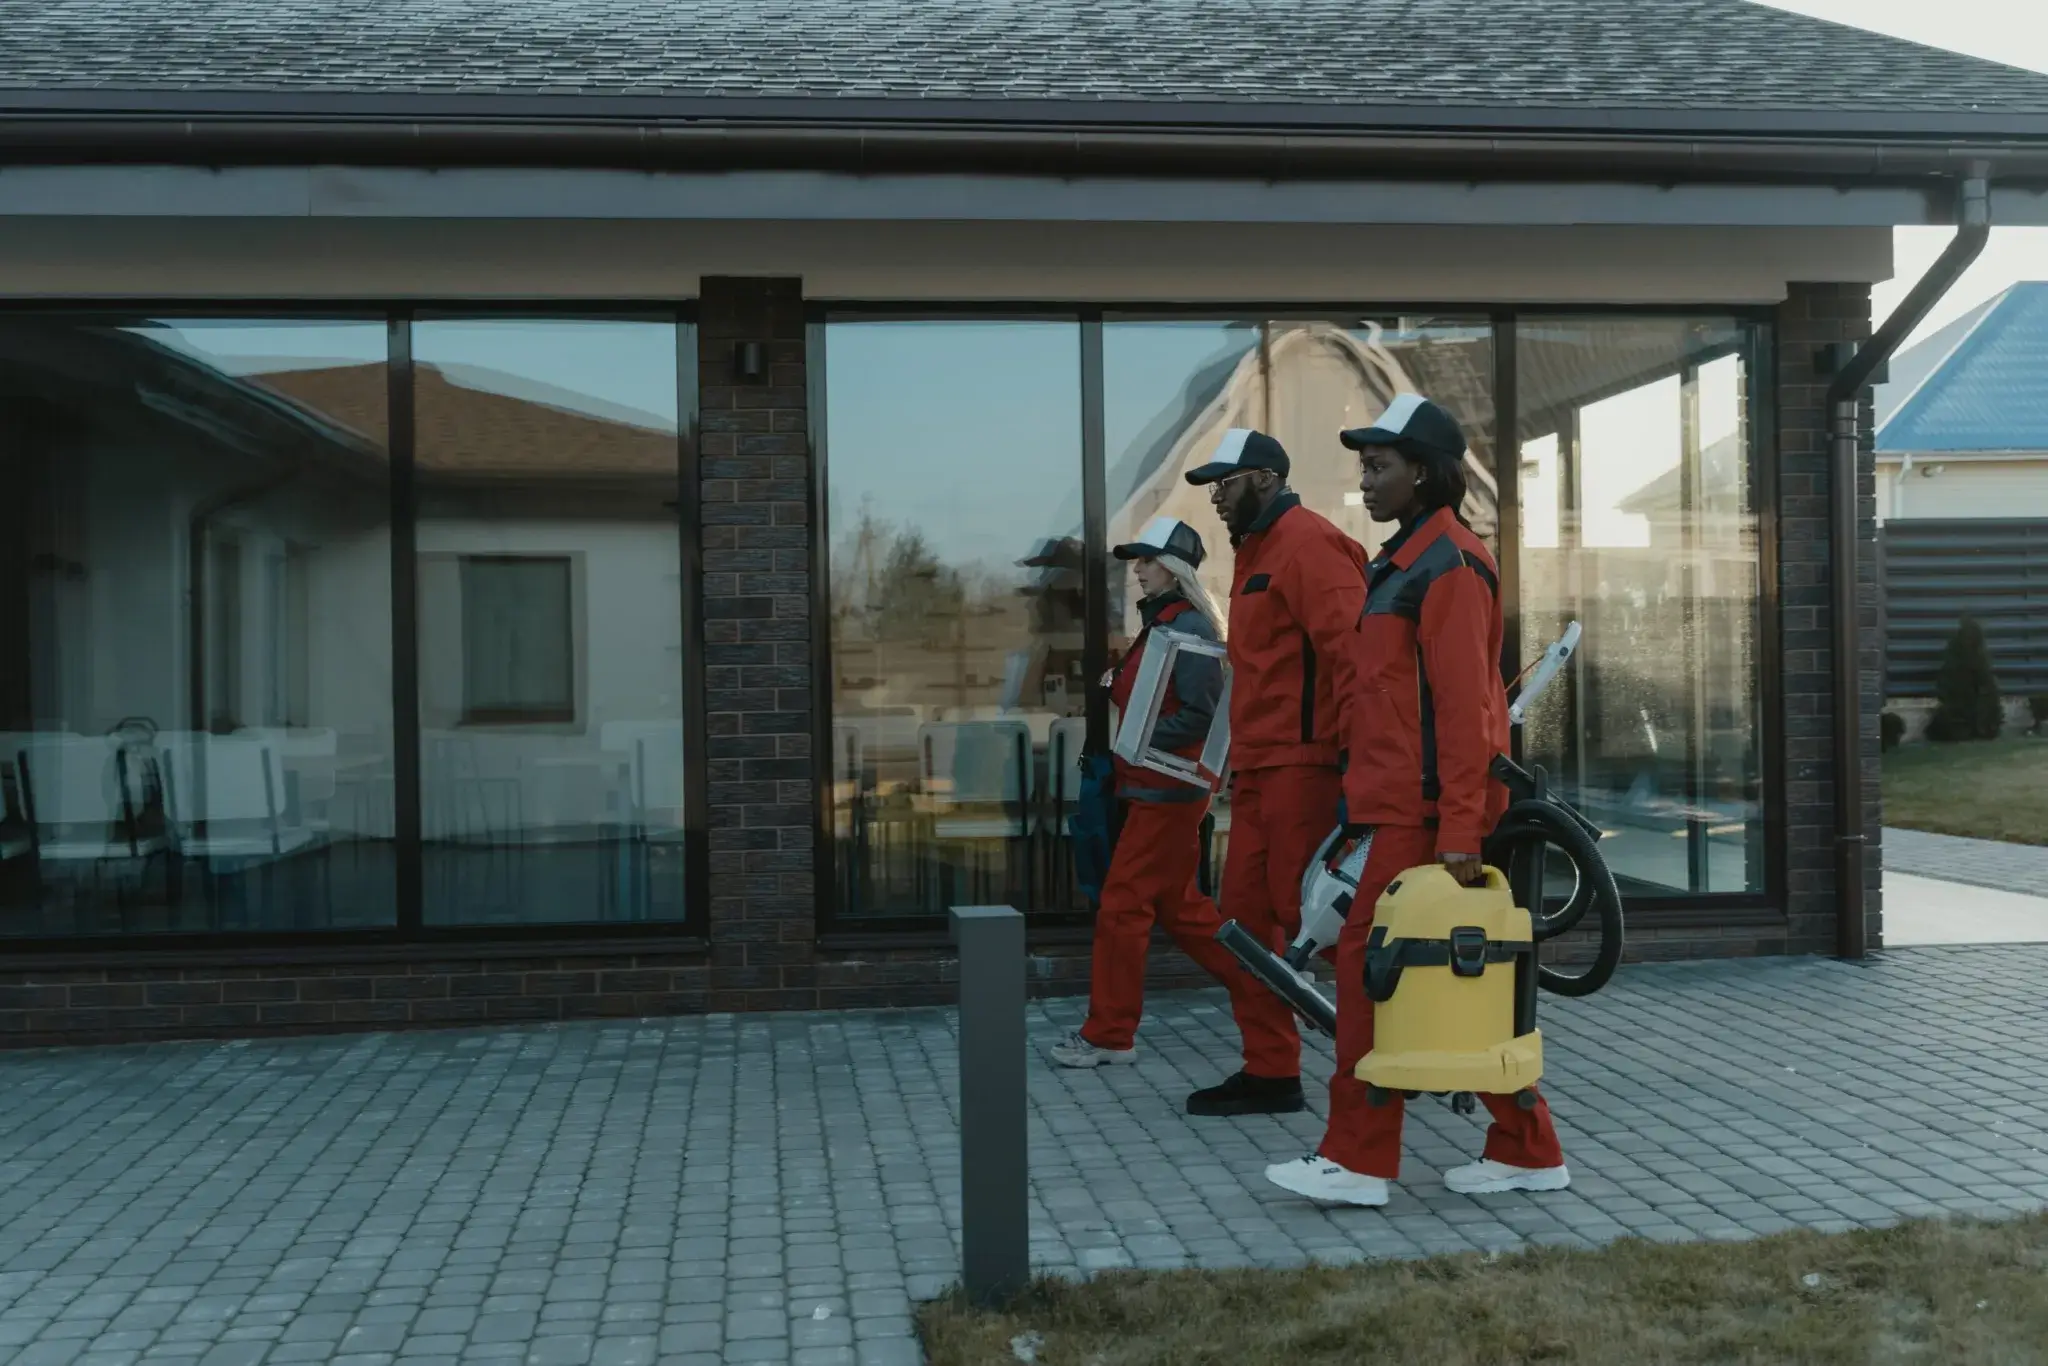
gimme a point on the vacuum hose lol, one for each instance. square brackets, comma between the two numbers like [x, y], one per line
[1536, 824]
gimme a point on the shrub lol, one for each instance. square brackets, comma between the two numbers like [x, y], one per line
[1966, 688]
[1894, 729]
[2038, 705]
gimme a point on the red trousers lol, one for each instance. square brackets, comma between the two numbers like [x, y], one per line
[1152, 877]
[1367, 1138]
[1278, 816]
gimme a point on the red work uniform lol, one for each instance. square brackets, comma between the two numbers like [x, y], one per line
[1427, 718]
[1298, 587]
[1152, 873]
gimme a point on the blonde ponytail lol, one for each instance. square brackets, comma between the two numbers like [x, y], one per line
[1191, 589]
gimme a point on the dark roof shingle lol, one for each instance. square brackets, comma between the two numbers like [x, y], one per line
[1348, 56]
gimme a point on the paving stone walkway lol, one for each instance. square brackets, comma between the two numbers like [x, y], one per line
[782, 1188]
[2021, 868]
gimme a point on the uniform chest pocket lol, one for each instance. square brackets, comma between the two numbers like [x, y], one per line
[1257, 583]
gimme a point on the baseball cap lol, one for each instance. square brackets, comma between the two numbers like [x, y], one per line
[1415, 427]
[1164, 536]
[1240, 450]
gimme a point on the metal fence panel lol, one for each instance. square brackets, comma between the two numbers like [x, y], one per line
[1938, 572]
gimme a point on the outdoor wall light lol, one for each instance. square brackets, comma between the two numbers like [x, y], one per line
[747, 362]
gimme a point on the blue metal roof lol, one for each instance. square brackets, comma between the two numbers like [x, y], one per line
[1979, 384]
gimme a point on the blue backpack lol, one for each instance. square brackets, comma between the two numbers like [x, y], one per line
[1092, 827]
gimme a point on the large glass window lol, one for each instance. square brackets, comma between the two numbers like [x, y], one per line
[195, 638]
[1172, 388]
[551, 654]
[1639, 522]
[957, 611]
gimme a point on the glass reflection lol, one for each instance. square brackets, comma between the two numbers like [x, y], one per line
[958, 621]
[1171, 389]
[550, 620]
[195, 608]
[1638, 522]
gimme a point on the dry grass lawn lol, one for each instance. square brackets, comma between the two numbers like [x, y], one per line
[1962, 1292]
[1992, 789]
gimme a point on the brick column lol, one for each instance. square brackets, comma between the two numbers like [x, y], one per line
[754, 464]
[1812, 316]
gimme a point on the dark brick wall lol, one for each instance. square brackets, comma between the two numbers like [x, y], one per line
[763, 952]
[196, 995]
[754, 463]
[1813, 316]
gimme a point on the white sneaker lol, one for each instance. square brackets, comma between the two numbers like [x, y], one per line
[1318, 1178]
[1075, 1051]
[1490, 1178]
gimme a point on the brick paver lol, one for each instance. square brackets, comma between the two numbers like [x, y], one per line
[2021, 868]
[780, 1188]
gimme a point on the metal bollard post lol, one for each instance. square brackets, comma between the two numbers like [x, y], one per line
[995, 1201]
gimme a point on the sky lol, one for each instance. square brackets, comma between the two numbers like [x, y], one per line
[2014, 32]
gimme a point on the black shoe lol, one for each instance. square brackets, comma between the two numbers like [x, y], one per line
[1244, 1094]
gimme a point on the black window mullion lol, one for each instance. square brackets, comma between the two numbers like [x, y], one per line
[1507, 478]
[1095, 530]
[405, 651]
[690, 561]
[837, 891]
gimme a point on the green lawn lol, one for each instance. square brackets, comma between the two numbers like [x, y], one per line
[1994, 789]
[1939, 1293]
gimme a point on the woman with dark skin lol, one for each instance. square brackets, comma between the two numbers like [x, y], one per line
[1426, 718]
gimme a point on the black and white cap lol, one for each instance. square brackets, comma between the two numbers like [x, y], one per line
[1414, 426]
[1241, 449]
[1164, 536]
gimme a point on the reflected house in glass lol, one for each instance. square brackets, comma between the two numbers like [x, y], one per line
[1304, 382]
[627, 531]
[192, 554]
[263, 780]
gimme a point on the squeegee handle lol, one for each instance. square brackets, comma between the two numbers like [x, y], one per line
[1546, 670]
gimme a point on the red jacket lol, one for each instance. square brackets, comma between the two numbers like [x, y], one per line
[1430, 712]
[1186, 710]
[1297, 589]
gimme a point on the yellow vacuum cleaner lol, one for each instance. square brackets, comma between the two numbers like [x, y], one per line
[1451, 971]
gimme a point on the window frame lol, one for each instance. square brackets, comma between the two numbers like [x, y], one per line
[1762, 907]
[404, 938]
[573, 636]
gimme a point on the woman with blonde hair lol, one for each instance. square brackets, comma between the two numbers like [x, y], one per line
[1152, 872]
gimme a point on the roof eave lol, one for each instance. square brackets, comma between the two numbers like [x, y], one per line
[425, 128]
[490, 106]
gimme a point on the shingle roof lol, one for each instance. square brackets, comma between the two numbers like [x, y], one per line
[1987, 389]
[1356, 55]
[462, 431]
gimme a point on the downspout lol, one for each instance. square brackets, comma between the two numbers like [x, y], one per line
[1844, 401]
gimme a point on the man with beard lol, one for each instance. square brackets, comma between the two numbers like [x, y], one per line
[1297, 591]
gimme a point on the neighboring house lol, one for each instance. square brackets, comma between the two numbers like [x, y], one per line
[1962, 497]
[533, 511]
[1962, 423]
